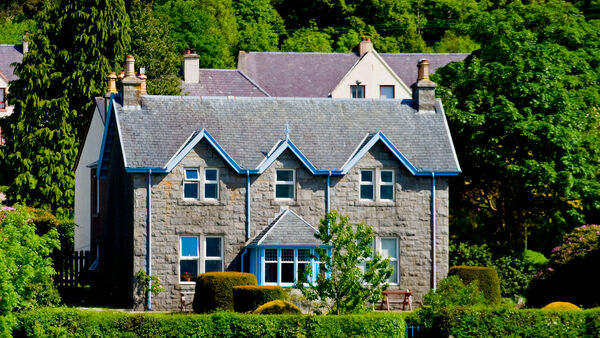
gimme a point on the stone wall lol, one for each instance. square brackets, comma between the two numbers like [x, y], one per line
[407, 217]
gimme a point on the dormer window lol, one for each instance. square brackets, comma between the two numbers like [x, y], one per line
[357, 91]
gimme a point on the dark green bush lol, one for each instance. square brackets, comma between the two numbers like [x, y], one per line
[452, 291]
[67, 322]
[277, 307]
[247, 298]
[214, 290]
[487, 278]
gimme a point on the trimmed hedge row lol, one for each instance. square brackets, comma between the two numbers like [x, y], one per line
[214, 290]
[487, 277]
[85, 323]
[507, 322]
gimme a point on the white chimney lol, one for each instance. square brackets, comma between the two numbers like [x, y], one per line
[365, 46]
[191, 67]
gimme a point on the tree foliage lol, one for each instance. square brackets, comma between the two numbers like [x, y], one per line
[70, 54]
[154, 50]
[341, 285]
[25, 269]
[524, 114]
[259, 25]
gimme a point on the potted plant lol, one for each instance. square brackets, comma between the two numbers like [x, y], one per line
[186, 277]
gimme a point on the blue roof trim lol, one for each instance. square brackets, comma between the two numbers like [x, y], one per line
[288, 144]
[379, 136]
[203, 134]
[105, 135]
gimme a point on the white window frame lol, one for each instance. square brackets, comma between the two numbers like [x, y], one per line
[213, 258]
[366, 183]
[188, 258]
[393, 260]
[206, 181]
[313, 263]
[292, 183]
[191, 181]
[382, 184]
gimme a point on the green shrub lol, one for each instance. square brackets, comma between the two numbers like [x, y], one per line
[72, 322]
[487, 278]
[214, 290]
[471, 255]
[452, 291]
[25, 268]
[277, 307]
[534, 258]
[247, 298]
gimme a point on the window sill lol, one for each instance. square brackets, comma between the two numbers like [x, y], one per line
[377, 203]
[197, 202]
[187, 283]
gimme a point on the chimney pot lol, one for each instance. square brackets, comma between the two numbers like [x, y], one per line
[143, 77]
[129, 66]
[112, 82]
[121, 75]
[131, 85]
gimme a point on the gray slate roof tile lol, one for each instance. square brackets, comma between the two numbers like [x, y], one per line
[326, 131]
[287, 229]
[222, 82]
[8, 55]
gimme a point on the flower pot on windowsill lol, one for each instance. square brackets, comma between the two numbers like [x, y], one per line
[187, 279]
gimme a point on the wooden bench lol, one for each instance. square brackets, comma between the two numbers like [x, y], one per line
[397, 297]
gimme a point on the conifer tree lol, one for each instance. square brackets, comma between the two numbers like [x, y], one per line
[70, 54]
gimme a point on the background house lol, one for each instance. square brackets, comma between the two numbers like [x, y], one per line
[9, 54]
[240, 184]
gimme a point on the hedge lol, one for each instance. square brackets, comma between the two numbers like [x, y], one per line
[507, 322]
[86, 323]
[247, 298]
[214, 290]
[488, 280]
[277, 307]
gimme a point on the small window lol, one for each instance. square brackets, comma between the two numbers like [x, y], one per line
[287, 265]
[386, 185]
[270, 265]
[285, 183]
[386, 92]
[363, 265]
[190, 184]
[2, 98]
[303, 262]
[389, 249]
[213, 255]
[357, 91]
[211, 184]
[367, 185]
[188, 258]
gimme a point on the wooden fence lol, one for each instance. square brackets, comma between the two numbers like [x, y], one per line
[71, 268]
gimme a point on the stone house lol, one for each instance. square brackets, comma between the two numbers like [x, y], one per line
[197, 184]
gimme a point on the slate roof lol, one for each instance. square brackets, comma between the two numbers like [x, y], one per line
[287, 229]
[223, 82]
[317, 74]
[8, 55]
[326, 131]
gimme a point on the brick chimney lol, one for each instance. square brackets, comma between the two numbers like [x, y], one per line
[365, 46]
[25, 45]
[112, 89]
[191, 67]
[130, 93]
[424, 89]
[242, 65]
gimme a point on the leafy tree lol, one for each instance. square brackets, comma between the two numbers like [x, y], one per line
[70, 54]
[259, 25]
[11, 31]
[25, 269]
[524, 113]
[341, 281]
[308, 40]
[453, 43]
[206, 25]
[154, 50]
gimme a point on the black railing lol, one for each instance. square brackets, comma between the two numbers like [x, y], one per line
[71, 268]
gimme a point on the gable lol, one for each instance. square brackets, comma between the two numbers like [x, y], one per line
[372, 72]
[287, 229]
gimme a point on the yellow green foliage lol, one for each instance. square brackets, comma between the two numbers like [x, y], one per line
[277, 307]
[561, 306]
[246, 298]
[214, 290]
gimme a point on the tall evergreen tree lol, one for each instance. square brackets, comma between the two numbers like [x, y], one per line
[70, 54]
[154, 49]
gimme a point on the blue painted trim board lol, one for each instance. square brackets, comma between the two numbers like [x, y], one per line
[149, 237]
[433, 253]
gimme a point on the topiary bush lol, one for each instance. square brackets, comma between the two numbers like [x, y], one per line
[247, 298]
[214, 290]
[561, 306]
[278, 307]
[451, 291]
[487, 278]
